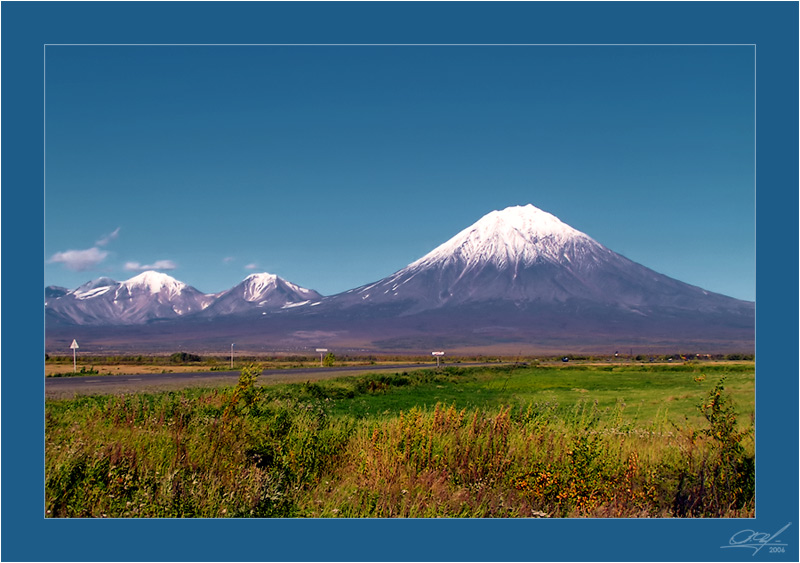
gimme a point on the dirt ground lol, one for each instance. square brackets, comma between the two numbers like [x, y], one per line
[134, 369]
[69, 387]
[53, 369]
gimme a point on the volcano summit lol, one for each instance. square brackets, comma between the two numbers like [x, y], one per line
[527, 256]
[517, 279]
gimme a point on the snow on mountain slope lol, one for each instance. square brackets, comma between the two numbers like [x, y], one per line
[257, 287]
[145, 297]
[526, 256]
[154, 283]
[517, 277]
[260, 292]
[92, 286]
[154, 295]
[515, 236]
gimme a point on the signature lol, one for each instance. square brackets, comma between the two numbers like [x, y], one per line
[756, 541]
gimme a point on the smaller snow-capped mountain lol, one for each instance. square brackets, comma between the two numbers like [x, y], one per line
[260, 292]
[157, 296]
[145, 297]
[93, 288]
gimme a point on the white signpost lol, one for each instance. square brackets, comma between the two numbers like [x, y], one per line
[438, 355]
[74, 347]
[321, 351]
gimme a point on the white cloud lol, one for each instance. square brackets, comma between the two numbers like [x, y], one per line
[80, 260]
[157, 265]
[228, 259]
[105, 239]
[251, 266]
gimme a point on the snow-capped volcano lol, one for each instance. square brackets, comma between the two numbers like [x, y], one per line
[526, 257]
[145, 297]
[516, 236]
[261, 292]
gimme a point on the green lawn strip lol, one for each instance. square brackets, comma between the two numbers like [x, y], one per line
[646, 395]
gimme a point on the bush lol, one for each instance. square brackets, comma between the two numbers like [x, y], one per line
[246, 393]
[733, 471]
[184, 357]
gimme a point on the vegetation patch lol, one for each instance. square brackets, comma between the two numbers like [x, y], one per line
[509, 441]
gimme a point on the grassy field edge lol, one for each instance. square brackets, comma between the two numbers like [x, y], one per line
[489, 442]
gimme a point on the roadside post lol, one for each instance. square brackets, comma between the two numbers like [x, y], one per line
[231, 356]
[74, 347]
[321, 351]
[438, 355]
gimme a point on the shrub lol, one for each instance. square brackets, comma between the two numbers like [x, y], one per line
[184, 357]
[732, 472]
[246, 393]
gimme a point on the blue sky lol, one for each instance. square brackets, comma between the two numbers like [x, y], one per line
[336, 166]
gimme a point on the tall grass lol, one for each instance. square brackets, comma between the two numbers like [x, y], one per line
[296, 451]
[530, 463]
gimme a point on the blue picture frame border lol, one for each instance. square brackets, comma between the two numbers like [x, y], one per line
[28, 26]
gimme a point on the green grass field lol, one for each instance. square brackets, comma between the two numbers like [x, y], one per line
[645, 394]
[513, 441]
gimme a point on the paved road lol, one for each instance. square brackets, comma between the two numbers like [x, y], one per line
[62, 387]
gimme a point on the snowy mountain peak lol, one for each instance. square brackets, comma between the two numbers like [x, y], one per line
[515, 235]
[256, 285]
[259, 293]
[526, 219]
[262, 278]
[155, 282]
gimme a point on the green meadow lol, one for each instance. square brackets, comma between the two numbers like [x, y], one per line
[592, 440]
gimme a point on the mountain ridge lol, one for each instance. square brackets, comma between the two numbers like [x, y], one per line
[151, 296]
[517, 275]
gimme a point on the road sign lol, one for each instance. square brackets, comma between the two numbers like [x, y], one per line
[74, 347]
[321, 351]
[438, 355]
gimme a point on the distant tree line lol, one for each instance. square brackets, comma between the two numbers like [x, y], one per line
[214, 359]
